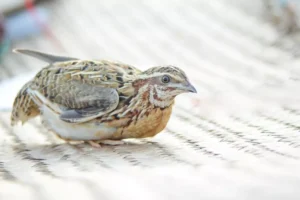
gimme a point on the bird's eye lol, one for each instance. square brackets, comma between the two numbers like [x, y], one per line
[165, 79]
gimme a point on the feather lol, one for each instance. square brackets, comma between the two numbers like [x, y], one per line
[44, 56]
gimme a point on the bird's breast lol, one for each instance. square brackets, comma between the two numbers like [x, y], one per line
[147, 125]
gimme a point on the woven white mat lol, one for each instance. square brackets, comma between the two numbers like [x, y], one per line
[238, 138]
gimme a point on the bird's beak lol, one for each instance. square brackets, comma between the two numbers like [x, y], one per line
[190, 88]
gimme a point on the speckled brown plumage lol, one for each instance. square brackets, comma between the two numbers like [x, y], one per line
[95, 100]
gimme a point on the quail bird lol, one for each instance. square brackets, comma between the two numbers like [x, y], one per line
[99, 101]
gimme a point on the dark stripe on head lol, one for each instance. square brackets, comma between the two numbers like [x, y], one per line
[166, 69]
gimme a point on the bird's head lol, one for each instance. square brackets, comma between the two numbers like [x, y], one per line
[164, 84]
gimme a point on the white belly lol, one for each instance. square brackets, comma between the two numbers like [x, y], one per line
[85, 131]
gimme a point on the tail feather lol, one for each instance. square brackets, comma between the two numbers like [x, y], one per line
[24, 107]
[44, 56]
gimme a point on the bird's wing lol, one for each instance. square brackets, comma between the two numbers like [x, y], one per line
[77, 102]
[83, 90]
[44, 56]
[86, 102]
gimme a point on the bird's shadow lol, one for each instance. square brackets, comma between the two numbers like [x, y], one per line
[131, 145]
[134, 152]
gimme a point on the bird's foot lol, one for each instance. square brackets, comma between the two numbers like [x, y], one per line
[94, 144]
[112, 142]
[75, 142]
[97, 144]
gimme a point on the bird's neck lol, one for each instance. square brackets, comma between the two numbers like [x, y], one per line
[144, 101]
[159, 98]
[152, 94]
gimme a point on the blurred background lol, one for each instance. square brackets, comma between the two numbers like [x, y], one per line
[243, 58]
[224, 46]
